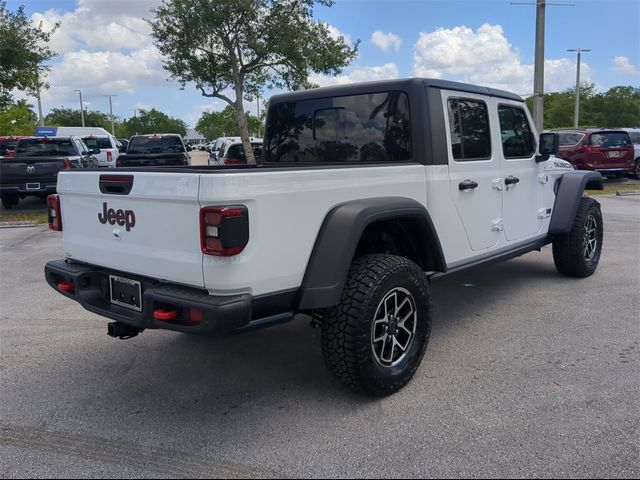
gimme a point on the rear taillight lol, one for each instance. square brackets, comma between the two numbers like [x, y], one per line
[55, 214]
[109, 157]
[224, 231]
[67, 164]
[232, 161]
[185, 159]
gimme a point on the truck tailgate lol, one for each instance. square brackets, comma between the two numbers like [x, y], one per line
[21, 170]
[144, 223]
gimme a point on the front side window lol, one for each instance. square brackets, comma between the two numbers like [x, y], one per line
[469, 127]
[356, 128]
[517, 138]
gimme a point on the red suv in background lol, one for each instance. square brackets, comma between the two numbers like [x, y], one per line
[609, 152]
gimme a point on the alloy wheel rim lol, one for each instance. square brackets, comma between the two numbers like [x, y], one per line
[394, 327]
[590, 238]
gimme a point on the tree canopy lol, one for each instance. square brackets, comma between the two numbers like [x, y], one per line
[617, 107]
[23, 48]
[18, 119]
[151, 121]
[69, 117]
[233, 49]
[213, 125]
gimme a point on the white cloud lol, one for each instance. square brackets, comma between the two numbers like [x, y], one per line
[486, 57]
[355, 75]
[386, 41]
[336, 34]
[622, 66]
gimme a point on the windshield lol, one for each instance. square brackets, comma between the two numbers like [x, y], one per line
[610, 139]
[156, 144]
[97, 142]
[43, 147]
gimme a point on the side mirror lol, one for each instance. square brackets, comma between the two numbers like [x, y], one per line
[189, 148]
[549, 145]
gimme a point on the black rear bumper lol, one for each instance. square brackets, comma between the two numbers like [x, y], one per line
[21, 190]
[220, 314]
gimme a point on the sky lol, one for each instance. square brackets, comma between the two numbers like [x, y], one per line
[104, 47]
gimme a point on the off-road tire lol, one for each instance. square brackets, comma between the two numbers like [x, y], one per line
[572, 255]
[347, 337]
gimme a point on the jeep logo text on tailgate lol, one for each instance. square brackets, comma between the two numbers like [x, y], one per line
[121, 217]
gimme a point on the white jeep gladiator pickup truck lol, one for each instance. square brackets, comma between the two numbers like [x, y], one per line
[364, 193]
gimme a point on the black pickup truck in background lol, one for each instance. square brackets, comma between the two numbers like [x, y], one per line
[33, 170]
[158, 150]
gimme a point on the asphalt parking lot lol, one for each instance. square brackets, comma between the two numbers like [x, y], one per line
[528, 374]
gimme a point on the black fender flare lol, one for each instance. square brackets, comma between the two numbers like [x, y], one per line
[569, 192]
[338, 239]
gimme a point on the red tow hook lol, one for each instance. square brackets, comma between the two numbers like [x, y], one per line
[65, 286]
[165, 315]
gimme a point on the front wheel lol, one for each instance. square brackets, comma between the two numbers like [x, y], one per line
[577, 253]
[374, 340]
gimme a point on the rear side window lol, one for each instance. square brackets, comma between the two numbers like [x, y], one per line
[469, 127]
[43, 147]
[570, 139]
[355, 128]
[609, 139]
[517, 138]
[156, 144]
[97, 142]
[7, 144]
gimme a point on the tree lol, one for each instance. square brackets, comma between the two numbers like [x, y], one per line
[17, 119]
[217, 124]
[245, 46]
[617, 107]
[69, 117]
[152, 121]
[22, 49]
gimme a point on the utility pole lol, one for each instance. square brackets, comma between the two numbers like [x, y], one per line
[258, 105]
[576, 113]
[40, 117]
[81, 107]
[113, 129]
[538, 67]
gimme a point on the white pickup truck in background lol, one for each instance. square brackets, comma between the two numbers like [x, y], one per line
[364, 193]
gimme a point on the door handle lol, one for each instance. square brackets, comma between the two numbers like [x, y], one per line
[467, 185]
[511, 180]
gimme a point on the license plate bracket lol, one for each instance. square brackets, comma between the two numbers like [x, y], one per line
[125, 292]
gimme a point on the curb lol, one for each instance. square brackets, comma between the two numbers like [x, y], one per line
[18, 224]
[625, 194]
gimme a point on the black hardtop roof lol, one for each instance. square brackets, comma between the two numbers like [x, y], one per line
[404, 84]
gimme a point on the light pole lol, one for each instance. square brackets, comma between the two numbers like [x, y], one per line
[113, 129]
[81, 107]
[538, 67]
[576, 113]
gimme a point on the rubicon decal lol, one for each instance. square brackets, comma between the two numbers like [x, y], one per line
[124, 218]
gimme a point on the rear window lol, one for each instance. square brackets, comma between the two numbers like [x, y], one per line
[42, 147]
[570, 139]
[236, 152]
[156, 144]
[609, 139]
[357, 128]
[97, 142]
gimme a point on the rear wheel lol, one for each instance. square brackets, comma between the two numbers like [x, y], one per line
[636, 171]
[374, 340]
[577, 253]
[9, 201]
